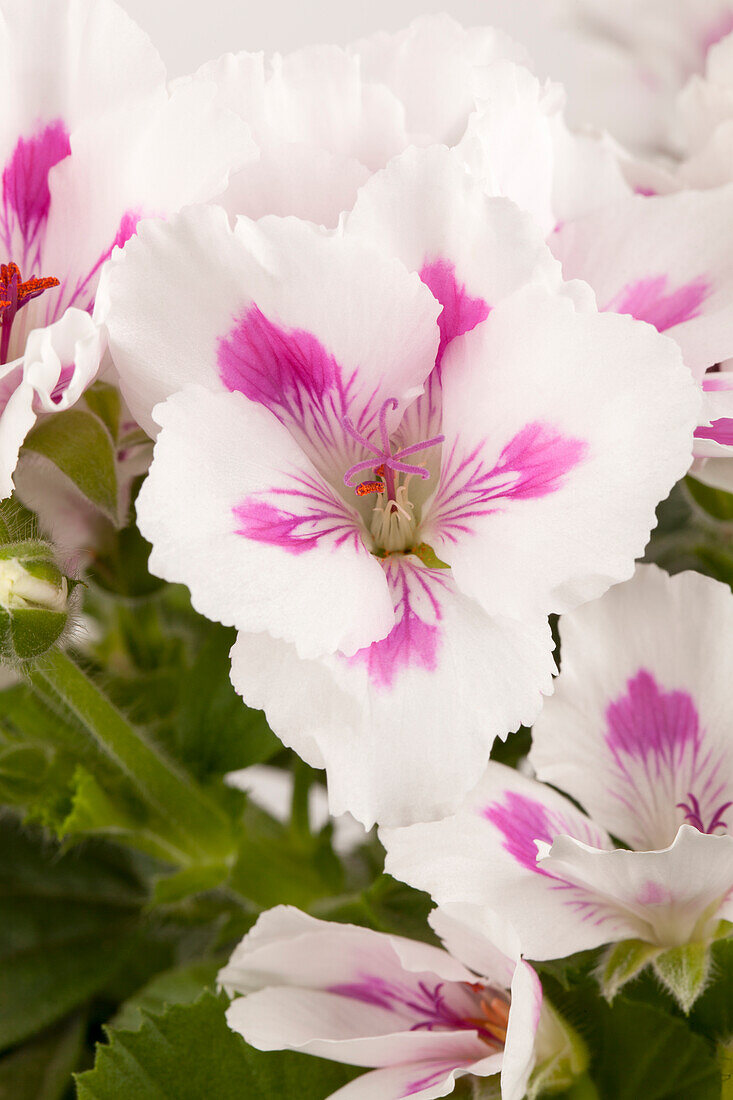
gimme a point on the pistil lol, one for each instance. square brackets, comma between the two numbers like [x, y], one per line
[393, 525]
[14, 294]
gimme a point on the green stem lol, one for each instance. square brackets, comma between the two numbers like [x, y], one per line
[193, 824]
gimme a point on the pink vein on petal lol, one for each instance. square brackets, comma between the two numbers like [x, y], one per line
[651, 300]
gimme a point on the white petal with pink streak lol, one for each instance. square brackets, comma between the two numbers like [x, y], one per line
[563, 430]
[396, 746]
[663, 260]
[236, 510]
[638, 729]
[484, 860]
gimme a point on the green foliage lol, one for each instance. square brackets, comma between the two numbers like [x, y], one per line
[41, 1069]
[638, 1049]
[67, 922]
[79, 445]
[188, 1053]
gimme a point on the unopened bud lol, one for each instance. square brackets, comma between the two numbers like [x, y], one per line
[34, 596]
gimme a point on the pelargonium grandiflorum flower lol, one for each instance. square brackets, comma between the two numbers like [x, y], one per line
[638, 733]
[408, 443]
[325, 118]
[417, 1016]
[665, 262]
[90, 142]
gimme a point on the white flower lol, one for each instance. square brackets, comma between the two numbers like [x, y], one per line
[90, 142]
[415, 1015]
[638, 732]
[308, 496]
[326, 118]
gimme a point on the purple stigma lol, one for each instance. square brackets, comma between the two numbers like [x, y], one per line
[391, 462]
[693, 815]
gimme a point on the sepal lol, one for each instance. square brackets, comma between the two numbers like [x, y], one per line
[684, 971]
[562, 1055]
[622, 962]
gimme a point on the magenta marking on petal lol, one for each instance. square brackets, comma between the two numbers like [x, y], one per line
[533, 464]
[65, 375]
[653, 893]
[274, 366]
[435, 1005]
[321, 516]
[522, 821]
[648, 721]
[262, 522]
[540, 457]
[434, 1078]
[650, 300]
[720, 431]
[461, 312]
[414, 641]
[81, 294]
[26, 196]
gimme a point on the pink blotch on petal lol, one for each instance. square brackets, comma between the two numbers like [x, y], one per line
[650, 300]
[540, 457]
[522, 821]
[414, 641]
[532, 464]
[720, 431]
[272, 365]
[262, 522]
[461, 312]
[649, 721]
[653, 893]
[26, 196]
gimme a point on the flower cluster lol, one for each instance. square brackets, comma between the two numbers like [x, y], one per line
[390, 363]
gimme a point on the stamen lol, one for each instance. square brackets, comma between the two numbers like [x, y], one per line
[367, 487]
[16, 293]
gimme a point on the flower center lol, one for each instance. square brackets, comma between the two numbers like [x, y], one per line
[488, 1013]
[14, 294]
[693, 815]
[393, 525]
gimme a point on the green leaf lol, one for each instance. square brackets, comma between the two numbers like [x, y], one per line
[184, 818]
[80, 446]
[623, 962]
[716, 502]
[638, 1050]
[216, 732]
[274, 867]
[67, 921]
[684, 972]
[180, 985]
[188, 1053]
[41, 1069]
[105, 402]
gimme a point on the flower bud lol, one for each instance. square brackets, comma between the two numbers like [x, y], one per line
[34, 597]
